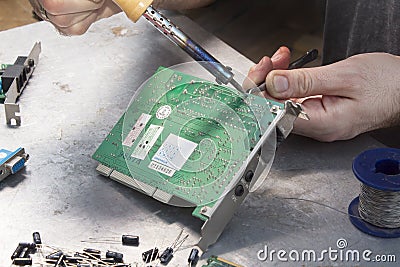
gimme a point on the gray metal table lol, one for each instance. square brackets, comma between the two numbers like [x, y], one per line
[81, 87]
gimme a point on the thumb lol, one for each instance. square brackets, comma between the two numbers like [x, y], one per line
[297, 83]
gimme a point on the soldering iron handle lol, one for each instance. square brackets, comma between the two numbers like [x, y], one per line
[307, 58]
[134, 9]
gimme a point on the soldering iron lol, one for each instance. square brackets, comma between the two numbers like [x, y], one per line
[134, 9]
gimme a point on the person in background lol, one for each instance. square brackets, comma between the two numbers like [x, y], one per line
[355, 91]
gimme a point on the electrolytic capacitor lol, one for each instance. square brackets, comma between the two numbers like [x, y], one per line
[108, 260]
[36, 238]
[193, 257]
[118, 257]
[130, 240]
[92, 251]
[150, 255]
[17, 251]
[22, 261]
[70, 259]
[167, 255]
[54, 255]
[24, 253]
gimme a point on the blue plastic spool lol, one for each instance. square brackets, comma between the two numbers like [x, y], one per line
[380, 169]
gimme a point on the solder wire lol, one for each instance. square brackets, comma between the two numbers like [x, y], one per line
[380, 208]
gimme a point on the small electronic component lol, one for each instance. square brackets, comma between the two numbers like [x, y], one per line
[193, 257]
[215, 261]
[54, 255]
[168, 253]
[14, 78]
[51, 256]
[130, 240]
[12, 162]
[21, 255]
[22, 261]
[36, 238]
[95, 253]
[22, 249]
[150, 255]
[116, 256]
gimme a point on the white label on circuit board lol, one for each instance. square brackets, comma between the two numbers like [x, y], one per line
[174, 152]
[136, 129]
[161, 168]
[163, 112]
[147, 142]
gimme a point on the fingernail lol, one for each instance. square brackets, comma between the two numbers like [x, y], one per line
[281, 83]
[276, 55]
[260, 64]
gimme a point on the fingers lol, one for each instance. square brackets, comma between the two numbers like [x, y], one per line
[257, 73]
[68, 20]
[78, 23]
[334, 79]
[281, 58]
[62, 7]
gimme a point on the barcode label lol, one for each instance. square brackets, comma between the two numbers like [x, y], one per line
[161, 168]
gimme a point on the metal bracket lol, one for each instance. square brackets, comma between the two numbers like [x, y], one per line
[12, 109]
[292, 112]
[222, 212]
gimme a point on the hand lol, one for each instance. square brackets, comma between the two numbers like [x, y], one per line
[344, 99]
[74, 17]
[257, 73]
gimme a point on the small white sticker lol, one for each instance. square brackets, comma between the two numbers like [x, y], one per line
[161, 168]
[147, 142]
[174, 152]
[163, 112]
[136, 129]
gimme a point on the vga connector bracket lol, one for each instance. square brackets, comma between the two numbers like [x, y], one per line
[12, 162]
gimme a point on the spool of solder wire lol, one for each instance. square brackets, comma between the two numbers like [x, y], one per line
[376, 211]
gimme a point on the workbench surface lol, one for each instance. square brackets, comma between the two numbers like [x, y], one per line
[81, 87]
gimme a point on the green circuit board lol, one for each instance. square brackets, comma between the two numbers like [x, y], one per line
[186, 136]
[215, 261]
[2, 94]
